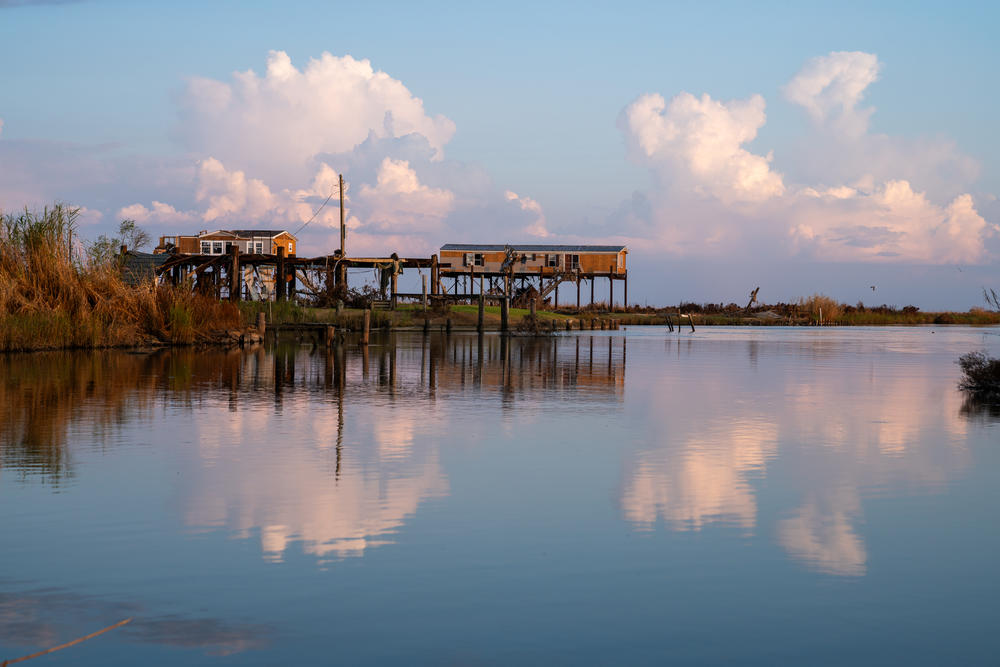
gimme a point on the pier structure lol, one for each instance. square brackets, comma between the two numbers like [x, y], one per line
[520, 275]
[530, 273]
[239, 276]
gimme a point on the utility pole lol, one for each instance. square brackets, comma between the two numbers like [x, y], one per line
[343, 229]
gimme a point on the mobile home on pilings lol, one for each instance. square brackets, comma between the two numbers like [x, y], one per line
[531, 271]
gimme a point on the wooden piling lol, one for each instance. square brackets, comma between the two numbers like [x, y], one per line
[447, 325]
[392, 281]
[331, 335]
[261, 324]
[505, 314]
[365, 331]
[435, 276]
[423, 299]
[279, 275]
[482, 311]
[235, 282]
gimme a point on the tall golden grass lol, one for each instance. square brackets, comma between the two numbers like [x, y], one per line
[51, 299]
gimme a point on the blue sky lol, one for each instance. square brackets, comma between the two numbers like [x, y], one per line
[537, 97]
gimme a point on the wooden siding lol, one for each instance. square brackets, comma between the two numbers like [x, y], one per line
[191, 245]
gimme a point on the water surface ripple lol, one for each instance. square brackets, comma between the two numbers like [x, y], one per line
[733, 495]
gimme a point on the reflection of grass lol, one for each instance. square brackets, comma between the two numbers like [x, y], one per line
[42, 394]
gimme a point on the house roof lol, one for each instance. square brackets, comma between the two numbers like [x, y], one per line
[140, 266]
[248, 233]
[470, 247]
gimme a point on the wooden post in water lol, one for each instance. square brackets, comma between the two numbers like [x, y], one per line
[505, 314]
[482, 309]
[367, 327]
[235, 284]
[331, 335]
[423, 299]
[532, 307]
[279, 275]
[447, 325]
[261, 324]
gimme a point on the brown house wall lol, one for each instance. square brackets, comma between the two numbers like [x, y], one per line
[589, 262]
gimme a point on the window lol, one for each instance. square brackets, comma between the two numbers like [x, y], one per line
[229, 247]
[216, 247]
[530, 256]
[206, 248]
[573, 262]
[259, 247]
[552, 260]
[291, 247]
[468, 259]
[478, 259]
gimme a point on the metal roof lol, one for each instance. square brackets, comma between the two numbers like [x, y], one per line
[140, 266]
[247, 233]
[471, 247]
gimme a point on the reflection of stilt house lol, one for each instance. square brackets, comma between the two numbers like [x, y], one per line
[531, 271]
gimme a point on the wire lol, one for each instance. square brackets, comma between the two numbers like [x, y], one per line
[333, 192]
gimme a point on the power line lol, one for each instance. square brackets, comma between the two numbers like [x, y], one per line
[325, 202]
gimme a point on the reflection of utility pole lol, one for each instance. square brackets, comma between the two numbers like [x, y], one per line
[343, 230]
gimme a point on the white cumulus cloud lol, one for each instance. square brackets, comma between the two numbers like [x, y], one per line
[157, 213]
[696, 144]
[399, 202]
[879, 200]
[537, 227]
[273, 125]
[830, 88]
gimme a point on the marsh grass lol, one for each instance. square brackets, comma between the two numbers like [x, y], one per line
[51, 299]
[980, 374]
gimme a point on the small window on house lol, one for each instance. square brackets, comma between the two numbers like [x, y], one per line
[469, 259]
[478, 259]
[206, 248]
[574, 262]
[530, 256]
[216, 247]
[552, 260]
[291, 247]
[259, 247]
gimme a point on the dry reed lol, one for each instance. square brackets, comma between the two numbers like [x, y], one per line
[51, 298]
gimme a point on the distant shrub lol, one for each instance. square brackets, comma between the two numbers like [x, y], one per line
[817, 302]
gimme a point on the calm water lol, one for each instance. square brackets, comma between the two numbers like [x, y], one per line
[751, 496]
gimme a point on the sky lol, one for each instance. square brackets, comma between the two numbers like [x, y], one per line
[802, 147]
